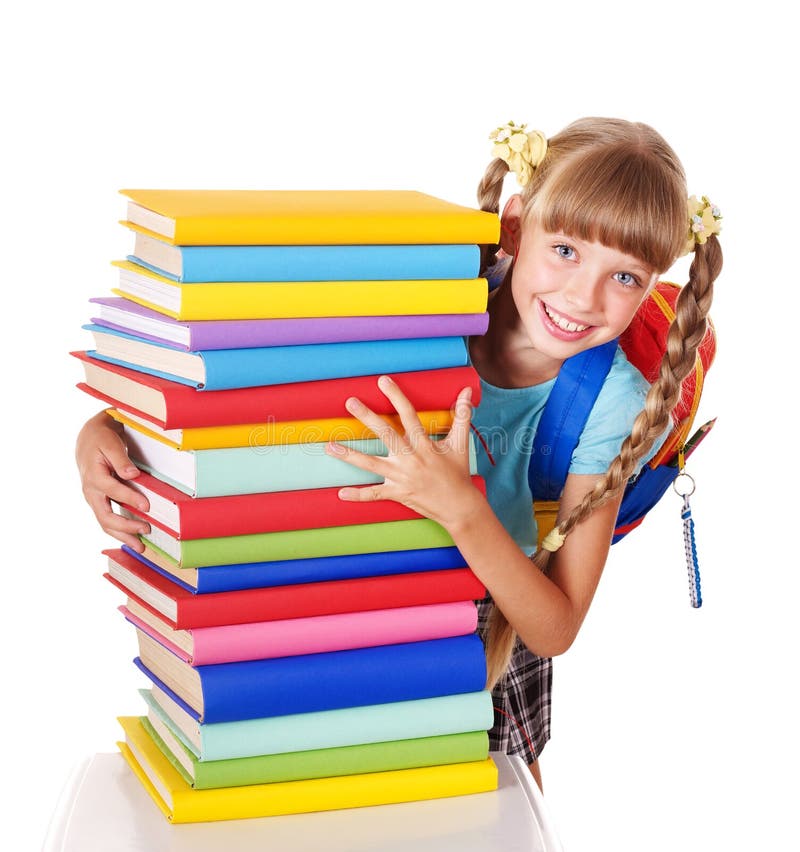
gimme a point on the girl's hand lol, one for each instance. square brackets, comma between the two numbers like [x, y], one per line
[430, 477]
[102, 463]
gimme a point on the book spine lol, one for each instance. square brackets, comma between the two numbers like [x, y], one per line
[327, 263]
[447, 714]
[185, 408]
[306, 544]
[292, 332]
[318, 634]
[348, 760]
[250, 575]
[291, 797]
[259, 688]
[251, 514]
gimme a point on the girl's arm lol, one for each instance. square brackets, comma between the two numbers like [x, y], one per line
[433, 479]
[103, 465]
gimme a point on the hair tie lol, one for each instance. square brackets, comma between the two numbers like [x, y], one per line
[704, 221]
[522, 151]
[553, 540]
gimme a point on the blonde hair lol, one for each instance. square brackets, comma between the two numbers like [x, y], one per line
[618, 183]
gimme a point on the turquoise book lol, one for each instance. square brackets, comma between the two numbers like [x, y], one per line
[325, 729]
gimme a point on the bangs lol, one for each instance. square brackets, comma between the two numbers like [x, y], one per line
[618, 195]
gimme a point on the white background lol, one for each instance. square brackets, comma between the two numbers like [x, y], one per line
[673, 728]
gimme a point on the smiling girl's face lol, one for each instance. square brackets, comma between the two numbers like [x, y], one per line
[572, 294]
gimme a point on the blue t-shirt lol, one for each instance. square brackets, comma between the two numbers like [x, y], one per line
[506, 420]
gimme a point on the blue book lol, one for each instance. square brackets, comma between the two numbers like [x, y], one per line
[291, 572]
[224, 369]
[194, 264]
[254, 689]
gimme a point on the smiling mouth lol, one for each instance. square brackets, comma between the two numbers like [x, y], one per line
[562, 322]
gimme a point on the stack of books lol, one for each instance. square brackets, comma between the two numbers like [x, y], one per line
[305, 653]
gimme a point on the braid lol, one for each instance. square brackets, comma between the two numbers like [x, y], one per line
[489, 190]
[491, 186]
[683, 338]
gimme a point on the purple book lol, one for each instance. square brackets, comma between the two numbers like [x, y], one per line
[127, 316]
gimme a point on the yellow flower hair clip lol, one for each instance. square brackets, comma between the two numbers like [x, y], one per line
[522, 151]
[704, 220]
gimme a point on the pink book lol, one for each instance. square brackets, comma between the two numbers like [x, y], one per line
[318, 634]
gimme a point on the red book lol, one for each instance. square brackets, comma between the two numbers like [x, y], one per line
[184, 610]
[187, 517]
[175, 406]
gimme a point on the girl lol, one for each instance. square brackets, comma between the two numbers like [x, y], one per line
[602, 212]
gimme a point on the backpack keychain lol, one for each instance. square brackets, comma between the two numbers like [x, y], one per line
[684, 486]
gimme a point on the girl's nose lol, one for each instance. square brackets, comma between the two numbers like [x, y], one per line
[582, 290]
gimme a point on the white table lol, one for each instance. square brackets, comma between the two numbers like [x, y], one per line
[105, 809]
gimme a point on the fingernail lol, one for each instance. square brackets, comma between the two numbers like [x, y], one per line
[352, 404]
[142, 507]
[335, 449]
[385, 381]
[131, 471]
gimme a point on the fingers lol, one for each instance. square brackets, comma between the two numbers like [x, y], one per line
[366, 494]
[126, 530]
[394, 442]
[458, 437]
[116, 455]
[408, 414]
[372, 464]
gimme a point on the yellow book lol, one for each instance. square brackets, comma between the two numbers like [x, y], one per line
[305, 217]
[180, 803]
[275, 433]
[234, 300]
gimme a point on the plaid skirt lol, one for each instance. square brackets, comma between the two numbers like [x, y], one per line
[521, 699]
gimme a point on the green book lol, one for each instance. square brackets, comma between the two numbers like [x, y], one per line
[418, 533]
[319, 763]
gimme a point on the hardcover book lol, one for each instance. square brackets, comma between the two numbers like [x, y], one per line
[287, 572]
[260, 640]
[321, 763]
[225, 369]
[271, 433]
[415, 534]
[289, 299]
[229, 692]
[305, 262]
[172, 405]
[183, 610]
[181, 804]
[246, 470]
[375, 723]
[306, 217]
[242, 514]
[125, 315]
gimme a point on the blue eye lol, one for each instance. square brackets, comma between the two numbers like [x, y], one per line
[565, 251]
[626, 279]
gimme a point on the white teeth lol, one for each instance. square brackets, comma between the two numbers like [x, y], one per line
[562, 323]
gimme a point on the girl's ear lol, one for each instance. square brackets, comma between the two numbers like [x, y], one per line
[510, 221]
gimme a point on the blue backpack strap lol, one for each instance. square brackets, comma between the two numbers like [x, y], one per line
[566, 411]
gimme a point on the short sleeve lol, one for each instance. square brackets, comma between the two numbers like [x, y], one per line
[619, 403]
